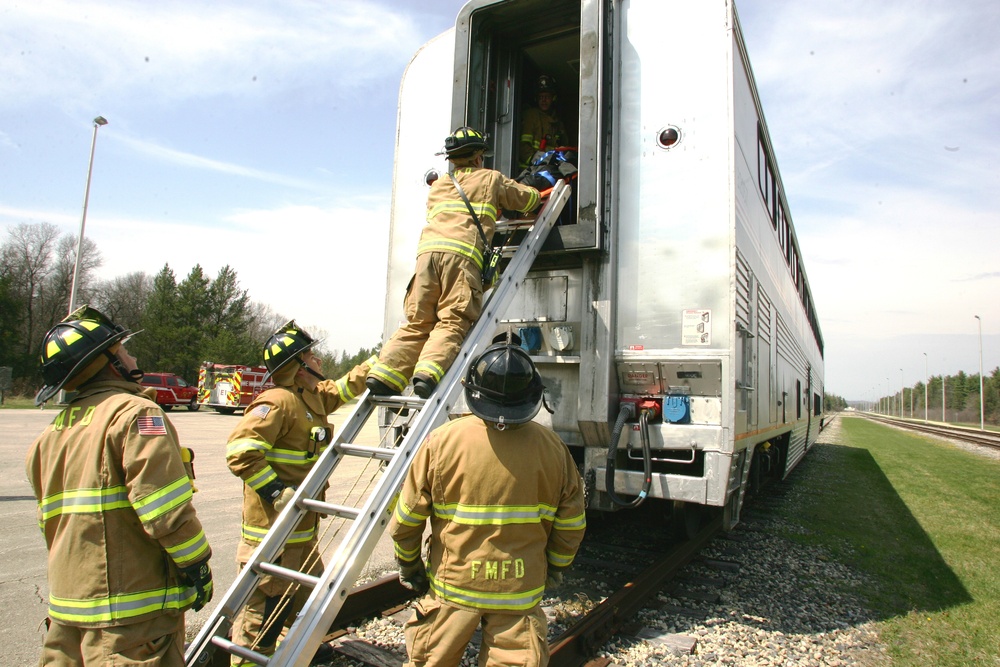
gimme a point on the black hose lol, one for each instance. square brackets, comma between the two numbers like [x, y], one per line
[647, 460]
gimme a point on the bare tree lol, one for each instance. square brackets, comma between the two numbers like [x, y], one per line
[123, 299]
[26, 259]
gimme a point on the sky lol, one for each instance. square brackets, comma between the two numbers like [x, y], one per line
[260, 134]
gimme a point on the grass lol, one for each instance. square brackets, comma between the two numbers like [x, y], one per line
[17, 402]
[922, 518]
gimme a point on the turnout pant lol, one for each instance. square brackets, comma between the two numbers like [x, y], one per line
[443, 301]
[438, 634]
[157, 642]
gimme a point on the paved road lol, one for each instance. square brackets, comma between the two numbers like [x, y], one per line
[23, 590]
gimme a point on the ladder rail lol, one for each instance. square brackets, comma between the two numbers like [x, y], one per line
[307, 631]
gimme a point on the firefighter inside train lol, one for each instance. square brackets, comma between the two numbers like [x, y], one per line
[276, 443]
[541, 127]
[505, 503]
[127, 554]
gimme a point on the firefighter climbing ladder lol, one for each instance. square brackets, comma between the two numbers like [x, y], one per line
[330, 590]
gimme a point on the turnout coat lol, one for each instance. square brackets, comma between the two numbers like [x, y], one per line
[114, 505]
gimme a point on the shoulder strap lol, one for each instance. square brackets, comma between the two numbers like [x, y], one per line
[475, 218]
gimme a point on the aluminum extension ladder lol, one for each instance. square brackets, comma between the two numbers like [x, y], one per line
[367, 523]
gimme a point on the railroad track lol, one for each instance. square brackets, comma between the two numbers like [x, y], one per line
[973, 436]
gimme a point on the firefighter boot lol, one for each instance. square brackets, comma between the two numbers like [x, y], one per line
[423, 386]
[379, 388]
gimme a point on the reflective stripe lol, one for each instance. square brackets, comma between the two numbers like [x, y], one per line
[344, 389]
[160, 502]
[558, 559]
[84, 501]
[190, 550]
[482, 209]
[389, 375]
[407, 554]
[496, 515]
[244, 445]
[435, 371]
[578, 522]
[480, 600]
[255, 534]
[408, 517]
[455, 247]
[120, 607]
[262, 478]
[293, 457]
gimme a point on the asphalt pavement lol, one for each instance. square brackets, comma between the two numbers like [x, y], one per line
[23, 589]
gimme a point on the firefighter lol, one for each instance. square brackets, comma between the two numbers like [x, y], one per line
[505, 504]
[541, 126]
[445, 295]
[127, 554]
[272, 449]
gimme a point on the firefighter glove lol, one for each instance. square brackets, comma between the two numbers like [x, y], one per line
[553, 579]
[284, 498]
[271, 491]
[413, 575]
[199, 577]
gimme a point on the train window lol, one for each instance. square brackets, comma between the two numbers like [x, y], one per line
[817, 405]
[798, 399]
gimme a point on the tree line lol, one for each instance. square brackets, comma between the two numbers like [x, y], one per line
[184, 323]
[959, 402]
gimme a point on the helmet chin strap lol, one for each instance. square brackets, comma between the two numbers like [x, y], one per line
[309, 370]
[134, 375]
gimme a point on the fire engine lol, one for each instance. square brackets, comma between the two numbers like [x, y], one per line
[228, 387]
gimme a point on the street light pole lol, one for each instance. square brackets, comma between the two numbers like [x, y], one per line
[100, 120]
[982, 423]
[902, 394]
[927, 381]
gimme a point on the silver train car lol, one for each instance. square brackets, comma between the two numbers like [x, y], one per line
[671, 316]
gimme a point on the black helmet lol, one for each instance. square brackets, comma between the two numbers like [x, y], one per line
[71, 347]
[285, 344]
[465, 141]
[502, 385]
[545, 84]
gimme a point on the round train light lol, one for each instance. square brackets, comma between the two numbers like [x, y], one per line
[668, 137]
[431, 176]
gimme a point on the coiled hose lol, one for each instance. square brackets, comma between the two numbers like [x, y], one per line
[647, 462]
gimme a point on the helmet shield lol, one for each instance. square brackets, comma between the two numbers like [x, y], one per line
[285, 344]
[503, 386]
[70, 347]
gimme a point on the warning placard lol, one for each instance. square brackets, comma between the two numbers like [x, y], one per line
[696, 327]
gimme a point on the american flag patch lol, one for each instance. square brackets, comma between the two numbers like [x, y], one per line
[261, 411]
[151, 426]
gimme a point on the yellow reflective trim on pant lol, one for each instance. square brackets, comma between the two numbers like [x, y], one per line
[120, 607]
[460, 248]
[408, 517]
[435, 371]
[189, 551]
[517, 601]
[160, 502]
[261, 478]
[255, 534]
[495, 515]
[84, 501]
[244, 445]
[389, 376]
[578, 522]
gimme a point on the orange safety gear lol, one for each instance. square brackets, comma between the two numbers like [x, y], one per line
[274, 446]
[446, 293]
[114, 505]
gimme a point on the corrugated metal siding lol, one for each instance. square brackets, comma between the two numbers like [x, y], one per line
[742, 291]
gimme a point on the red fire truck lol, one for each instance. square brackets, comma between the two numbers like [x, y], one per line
[227, 388]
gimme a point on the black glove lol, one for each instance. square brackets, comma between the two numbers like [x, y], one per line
[413, 575]
[199, 577]
[271, 491]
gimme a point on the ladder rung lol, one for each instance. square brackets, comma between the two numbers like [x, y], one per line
[369, 452]
[329, 509]
[240, 651]
[397, 401]
[286, 573]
